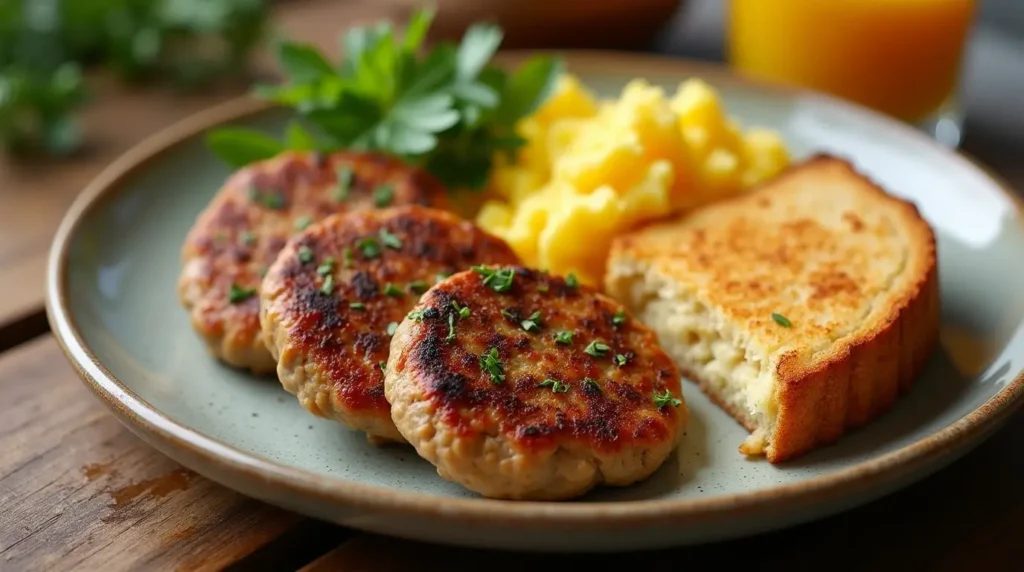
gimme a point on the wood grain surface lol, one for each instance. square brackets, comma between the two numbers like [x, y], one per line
[80, 492]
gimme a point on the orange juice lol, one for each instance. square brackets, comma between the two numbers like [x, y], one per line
[900, 57]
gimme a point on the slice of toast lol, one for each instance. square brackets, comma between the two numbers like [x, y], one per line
[803, 308]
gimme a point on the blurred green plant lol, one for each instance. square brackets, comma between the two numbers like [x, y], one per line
[45, 44]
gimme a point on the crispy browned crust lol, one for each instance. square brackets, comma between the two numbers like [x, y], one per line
[614, 411]
[335, 304]
[862, 378]
[823, 396]
[239, 235]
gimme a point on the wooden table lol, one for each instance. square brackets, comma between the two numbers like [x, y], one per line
[79, 492]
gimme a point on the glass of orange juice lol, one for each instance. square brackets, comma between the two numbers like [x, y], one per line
[900, 57]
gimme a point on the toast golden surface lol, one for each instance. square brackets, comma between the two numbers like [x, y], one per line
[804, 307]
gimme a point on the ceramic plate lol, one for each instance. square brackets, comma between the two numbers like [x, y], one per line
[113, 306]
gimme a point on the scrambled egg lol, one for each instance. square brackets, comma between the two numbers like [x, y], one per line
[592, 169]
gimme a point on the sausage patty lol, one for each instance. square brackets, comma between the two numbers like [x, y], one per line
[331, 301]
[247, 223]
[522, 385]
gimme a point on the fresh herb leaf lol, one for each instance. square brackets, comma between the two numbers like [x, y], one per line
[564, 338]
[357, 305]
[499, 279]
[391, 328]
[238, 294]
[390, 240]
[448, 109]
[782, 320]
[326, 267]
[303, 222]
[591, 385]
[416, 315]
[383, 367]
[392, 290]
[451, 328]
[555, 385]
[383, 195]
[328, 286]
[238, 146]
[344, 176]
[571, 281]
[532, 324]
[305, 255]
[369, 247]
[346, 255]
[298, 138]
[492, 366]
[441, 276]
[462, 311]
[620, 360]
[661, 400]
[596, 348]
[418, 286]
[619, 318]
[509, 316]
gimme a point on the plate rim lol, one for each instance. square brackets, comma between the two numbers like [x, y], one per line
[142, 416]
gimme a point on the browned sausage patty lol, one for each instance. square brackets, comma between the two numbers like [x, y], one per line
[519, 385]
[247, 223]
[333, 298]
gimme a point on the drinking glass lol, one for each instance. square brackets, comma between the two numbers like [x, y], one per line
[900, 57]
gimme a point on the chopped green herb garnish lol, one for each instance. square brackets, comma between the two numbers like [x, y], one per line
[328, 285]
[357, 305]
[500, 280]
[619, 318]
[416, 315]
[346, 255]
[271, 200]
[418, 286]
[239, 294]
[564, 338]
[451, 328]
[305, 255]
[383, 195]
[326, 267]
[490, 363]
[392, 290]
[369, 247]
[661, 400]
[383, 367]
[247, 238]
[509, 316]
[344, 180]
[390, 240]
[555, 385]
[620, 360]
[542, 288]
[441, 276]
[463, 311]
[590, 384]
[532, 324]
[571, 281]
[782, 320]
[596, 348]
[303, 222]
[391, 328]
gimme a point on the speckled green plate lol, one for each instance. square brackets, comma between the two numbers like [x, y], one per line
[112, 304]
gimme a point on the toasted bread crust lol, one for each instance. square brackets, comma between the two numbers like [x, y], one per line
[819, 395]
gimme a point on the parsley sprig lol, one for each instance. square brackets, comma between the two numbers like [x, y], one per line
[447, 109]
